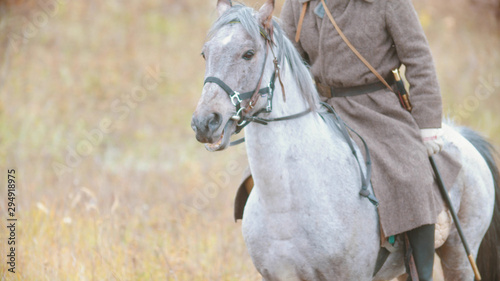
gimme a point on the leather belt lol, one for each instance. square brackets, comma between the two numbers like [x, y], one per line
[334, 92]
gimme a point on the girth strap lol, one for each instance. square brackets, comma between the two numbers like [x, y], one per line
[365, 179]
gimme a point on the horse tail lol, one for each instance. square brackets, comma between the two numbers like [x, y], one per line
[488, 259]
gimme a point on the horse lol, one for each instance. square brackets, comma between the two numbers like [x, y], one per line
[305, 218]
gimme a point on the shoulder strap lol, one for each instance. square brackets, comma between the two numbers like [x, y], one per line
[301, 20]
[372, 69]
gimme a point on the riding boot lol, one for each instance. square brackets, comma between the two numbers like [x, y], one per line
[422, 244]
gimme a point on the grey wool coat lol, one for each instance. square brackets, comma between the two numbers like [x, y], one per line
[388, 34]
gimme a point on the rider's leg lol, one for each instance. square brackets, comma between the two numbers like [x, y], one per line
[422, 244]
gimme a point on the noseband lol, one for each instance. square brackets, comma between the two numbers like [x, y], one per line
[237, 98]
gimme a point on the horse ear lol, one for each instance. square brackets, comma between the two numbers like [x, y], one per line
[266, 14]
[223, 6]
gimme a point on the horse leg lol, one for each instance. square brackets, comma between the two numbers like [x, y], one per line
[474, 215]
[473, 196]
[475, 207]
[454, 261]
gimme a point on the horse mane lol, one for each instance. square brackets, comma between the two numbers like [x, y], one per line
[285, 49]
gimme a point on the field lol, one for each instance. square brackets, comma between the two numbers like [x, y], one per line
[96, 99]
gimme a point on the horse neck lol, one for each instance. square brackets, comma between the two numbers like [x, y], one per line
[278, 152]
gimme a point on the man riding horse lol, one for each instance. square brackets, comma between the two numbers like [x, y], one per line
[388, 34]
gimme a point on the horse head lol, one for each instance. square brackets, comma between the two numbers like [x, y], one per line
[235, 57]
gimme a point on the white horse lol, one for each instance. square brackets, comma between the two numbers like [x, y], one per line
[305, 219]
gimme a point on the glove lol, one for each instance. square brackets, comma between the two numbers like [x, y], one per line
[433, 140]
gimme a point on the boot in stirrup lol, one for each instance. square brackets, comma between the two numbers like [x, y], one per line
[422, 244]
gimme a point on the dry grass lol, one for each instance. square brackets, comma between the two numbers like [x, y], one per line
[146, 201]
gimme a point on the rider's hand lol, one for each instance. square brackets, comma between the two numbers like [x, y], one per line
[433, 140]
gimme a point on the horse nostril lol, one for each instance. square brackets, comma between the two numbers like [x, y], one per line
[214, 121]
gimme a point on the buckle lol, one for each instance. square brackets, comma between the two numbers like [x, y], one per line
[269, 106]
[237, 96]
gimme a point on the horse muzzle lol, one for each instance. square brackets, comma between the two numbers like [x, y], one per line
[206, 126]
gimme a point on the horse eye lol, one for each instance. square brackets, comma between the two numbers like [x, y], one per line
[249, 55]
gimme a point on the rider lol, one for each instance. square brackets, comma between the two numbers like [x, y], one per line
[388, 34]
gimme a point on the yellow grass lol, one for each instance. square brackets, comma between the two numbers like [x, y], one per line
[144, 200]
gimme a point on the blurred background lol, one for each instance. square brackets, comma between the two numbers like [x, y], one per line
[95, 105]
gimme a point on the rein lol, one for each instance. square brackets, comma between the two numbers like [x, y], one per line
[365, 179]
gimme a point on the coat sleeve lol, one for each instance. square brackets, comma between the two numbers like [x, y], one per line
[414, 52]
[289, 18]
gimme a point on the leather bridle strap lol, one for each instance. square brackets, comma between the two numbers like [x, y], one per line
[236, 97]
[230, 92]
[265, 121]
[255, 97]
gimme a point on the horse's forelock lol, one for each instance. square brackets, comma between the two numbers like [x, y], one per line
[241, 14]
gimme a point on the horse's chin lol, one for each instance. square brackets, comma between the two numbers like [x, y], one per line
[224, 139]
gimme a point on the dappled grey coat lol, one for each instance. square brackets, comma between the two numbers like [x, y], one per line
[387, 33]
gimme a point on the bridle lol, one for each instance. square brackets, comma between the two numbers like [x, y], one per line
[241, 114]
